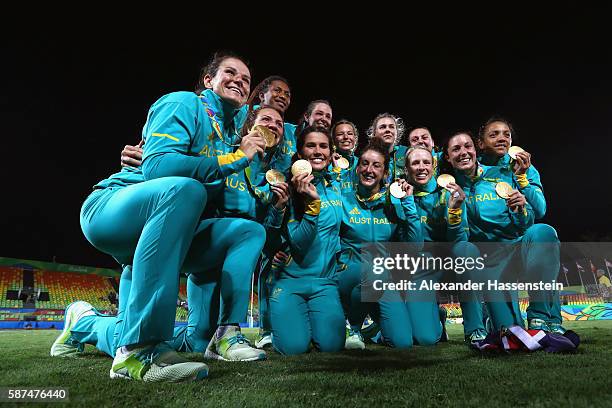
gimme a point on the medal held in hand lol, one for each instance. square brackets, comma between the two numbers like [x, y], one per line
[503, 189]
[301, 167]
[274, 177]
[267, 134]
[396, 190]
[514, 150]
[444, 180]
[343, 163]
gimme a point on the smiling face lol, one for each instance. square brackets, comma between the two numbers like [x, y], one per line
[344, 137]
[278, 95]
[271, 119]
[371, 170]
[420, 137]
[496, 139]
[461, 153]
[386, 130]
[231, 82]
[419, 164]
[321, 116]
[316, 150]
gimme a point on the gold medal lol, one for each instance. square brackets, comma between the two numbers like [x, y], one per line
[513, 150]
[503, 189]
[396, 190]
[301, 167]
[343, 163]
[267, 134]
[445, 179]
[274, 177]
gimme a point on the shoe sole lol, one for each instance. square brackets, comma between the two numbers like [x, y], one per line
[214, 356]
[61, 339]
[200, 375]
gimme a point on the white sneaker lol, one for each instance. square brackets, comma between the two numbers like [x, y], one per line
[156, 364]
[63, 346]
[264, 340]
[353, 341]
[229, 344]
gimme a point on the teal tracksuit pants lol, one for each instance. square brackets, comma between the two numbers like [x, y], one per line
[231, 247]
[149, 225]
[404, 319]
[228, 245]
[536, 258]
[302, 309]
[264, 283]
[470, 301]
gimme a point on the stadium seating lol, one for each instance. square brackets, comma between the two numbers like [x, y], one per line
[66, 287]
[10, 279]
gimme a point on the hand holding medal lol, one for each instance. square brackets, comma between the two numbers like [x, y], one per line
[253, 143]
[514, 199]
[522, 159]
[340, 161]
[302, 178]
[400, 189]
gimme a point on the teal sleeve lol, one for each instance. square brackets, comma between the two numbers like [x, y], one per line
[301, 233]
[456, 231]
[273, 223]
[274, 218]
[522, 219]
[410, 229]
[534, 192]
[169, 134]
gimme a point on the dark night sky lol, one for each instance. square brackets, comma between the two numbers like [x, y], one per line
[73, 99]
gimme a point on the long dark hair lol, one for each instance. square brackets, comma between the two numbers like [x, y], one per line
[378, 146]
[252, 115]
[444, 165]
[301, 138]
[303, 122]
[298, 205]
[212, 67]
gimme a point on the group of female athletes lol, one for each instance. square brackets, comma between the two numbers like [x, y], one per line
[222, 187]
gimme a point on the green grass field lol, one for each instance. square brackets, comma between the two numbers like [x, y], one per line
[445, 375]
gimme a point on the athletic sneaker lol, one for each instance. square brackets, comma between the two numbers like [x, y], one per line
[557, 328]
[370, 331]
[476, 336]
[64, 345]
[354, 340]
[538, 324]
[264, 340]
[155, 364]
[229, 344]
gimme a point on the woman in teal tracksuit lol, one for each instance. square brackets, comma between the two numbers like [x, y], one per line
[246, 195]
[346, 137]
[420, 136]
[443, 218]
[529, 250]
[304, 301]
[494, 140]
[275, 91]
[390, 129]
[369, 216]
[189, 150]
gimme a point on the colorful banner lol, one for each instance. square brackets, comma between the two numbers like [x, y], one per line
[58, 267]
